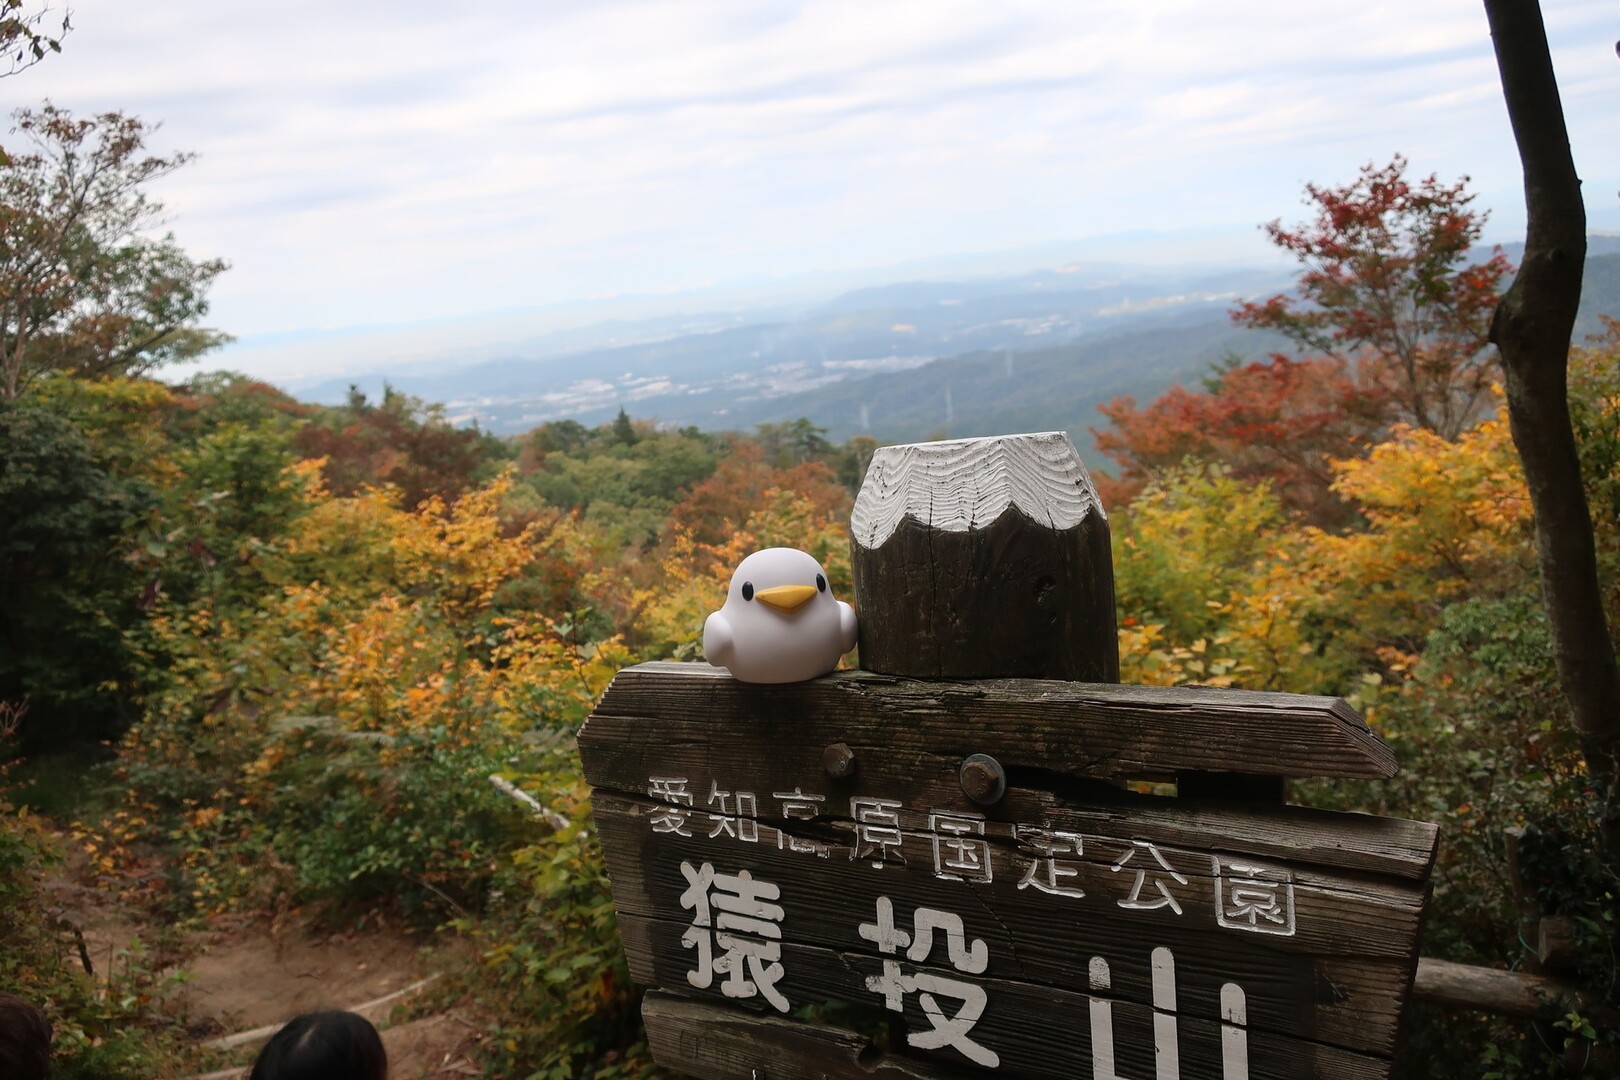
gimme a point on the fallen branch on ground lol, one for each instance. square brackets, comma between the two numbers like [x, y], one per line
[545, 813]
[376, 1011]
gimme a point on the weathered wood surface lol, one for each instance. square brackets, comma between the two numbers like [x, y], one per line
[1558, 943]
[1340, 975]
[984, 558]
[1040, 731]
[1505, 993]
[693, 769]
[721, 1043]
[942, 839]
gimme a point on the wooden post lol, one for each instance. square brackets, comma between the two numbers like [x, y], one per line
[984, 558]
[939, 843]
[992, 557]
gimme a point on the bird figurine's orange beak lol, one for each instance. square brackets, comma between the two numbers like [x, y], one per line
[786, 598]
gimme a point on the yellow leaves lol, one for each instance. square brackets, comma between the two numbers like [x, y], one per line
[367, 545]
[1210, 559]
[693, 576]
[381, 630]
[1206, 558]
[1196, 539]
[1147, 658]
[547, 680]
[463, 550]
[1418, 483]
[692, 583]
[121, 416]
[309, 477]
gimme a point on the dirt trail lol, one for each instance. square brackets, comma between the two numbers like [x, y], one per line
[244, 977]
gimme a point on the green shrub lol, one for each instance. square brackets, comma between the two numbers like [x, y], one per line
[1485, 745]
[551, 969]
[111, 1031]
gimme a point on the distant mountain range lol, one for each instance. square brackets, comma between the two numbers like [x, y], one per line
[905, 361]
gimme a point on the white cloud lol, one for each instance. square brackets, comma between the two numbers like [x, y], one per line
[369, 161]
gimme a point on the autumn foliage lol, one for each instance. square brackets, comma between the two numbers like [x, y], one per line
[1386, 280]
[1391, 316]
[399, 441]
[312, 634]
[1355, 521]
[319, 631]
[1282, 421]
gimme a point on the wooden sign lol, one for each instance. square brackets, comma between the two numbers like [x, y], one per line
[957, 854]
[777, 847]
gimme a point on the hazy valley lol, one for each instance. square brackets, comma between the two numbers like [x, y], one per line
[909, 360]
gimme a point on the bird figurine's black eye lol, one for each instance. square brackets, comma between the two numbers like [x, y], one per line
[821, 583]
[748, 590]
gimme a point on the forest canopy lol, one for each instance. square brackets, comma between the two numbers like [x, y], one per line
[297, 639]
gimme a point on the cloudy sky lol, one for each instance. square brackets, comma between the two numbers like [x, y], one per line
[370, 162]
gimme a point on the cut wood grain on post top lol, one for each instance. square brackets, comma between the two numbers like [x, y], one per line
[984, 558]
[963, 484]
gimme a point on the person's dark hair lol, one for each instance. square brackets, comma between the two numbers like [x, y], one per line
[329, 1045]
[25, 1039]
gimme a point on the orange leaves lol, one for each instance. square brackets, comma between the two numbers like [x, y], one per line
[203, 817]
[1399, 318]
[1280, 421]
[1444, 520]
[400, 442]
[742, 487]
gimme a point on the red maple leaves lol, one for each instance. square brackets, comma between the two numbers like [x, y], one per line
[1392, 315]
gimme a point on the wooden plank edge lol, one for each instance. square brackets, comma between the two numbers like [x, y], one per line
[718, 1043]
[1388, 888]
[1376, 750]
[826, 1051]
[1367, 755]
[1396, 848]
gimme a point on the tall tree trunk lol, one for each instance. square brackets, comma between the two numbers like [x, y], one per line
[1532, 328]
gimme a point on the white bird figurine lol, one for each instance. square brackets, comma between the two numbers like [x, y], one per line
[780, 622]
